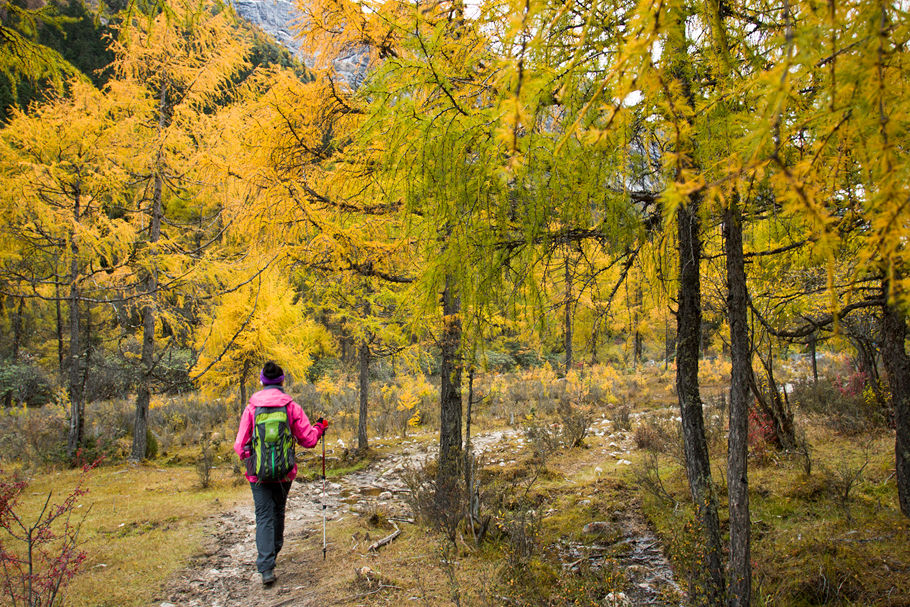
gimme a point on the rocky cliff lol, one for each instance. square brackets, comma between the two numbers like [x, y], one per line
[277, 18]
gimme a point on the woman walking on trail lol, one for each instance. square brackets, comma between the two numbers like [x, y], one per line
[270, 425]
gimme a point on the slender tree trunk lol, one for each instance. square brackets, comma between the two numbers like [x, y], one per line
[364, 355]
[450, 392]
[244, 374]
[17, 342]
[568, 315]
[468, 454]
[74, 384]
[709, 589]
[707, 586]
[58, 303]
[775, 408]
[740, 590]
[17, 327]
[897, 364]
[637, 339]
[149, 310]
[813, 352]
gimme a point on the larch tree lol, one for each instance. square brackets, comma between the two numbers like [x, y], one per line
[424, 99]
[257, 322]
[183, 55]
[66, 169]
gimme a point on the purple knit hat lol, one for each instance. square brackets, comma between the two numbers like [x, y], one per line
[271, 375]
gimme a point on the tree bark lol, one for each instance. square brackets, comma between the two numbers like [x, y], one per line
[58, 305]
[74, 383]
[813, 351]
[897, 364]
[707, 586]
[244, 373]
[740, 589]
[450, 392]
[568, 315]
[364, 355]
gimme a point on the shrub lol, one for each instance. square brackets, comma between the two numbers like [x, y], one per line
[576, 423]
[544, 440]
[33, 436]
[849, 405]
[761, 435]
[23, 382]
[662, 436]
[41, 557]
[441, 508]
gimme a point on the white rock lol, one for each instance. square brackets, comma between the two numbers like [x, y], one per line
[623, 462]
[616, 599]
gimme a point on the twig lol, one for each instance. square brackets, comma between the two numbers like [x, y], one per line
[386, 540]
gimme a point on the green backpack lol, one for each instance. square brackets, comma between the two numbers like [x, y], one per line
[272, 444]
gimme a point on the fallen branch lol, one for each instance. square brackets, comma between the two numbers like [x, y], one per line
[386, 540]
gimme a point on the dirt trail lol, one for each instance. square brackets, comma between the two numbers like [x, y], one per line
[224, 573]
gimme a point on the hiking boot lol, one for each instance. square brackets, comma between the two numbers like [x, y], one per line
[269, 578]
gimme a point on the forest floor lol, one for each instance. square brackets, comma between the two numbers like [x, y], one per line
[416, 568]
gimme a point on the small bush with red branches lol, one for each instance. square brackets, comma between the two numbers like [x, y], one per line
[38, 558]
[761, 433]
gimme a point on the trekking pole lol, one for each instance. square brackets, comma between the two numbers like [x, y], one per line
[323, 496]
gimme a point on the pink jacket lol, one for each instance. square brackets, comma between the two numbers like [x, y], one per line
[306, 435]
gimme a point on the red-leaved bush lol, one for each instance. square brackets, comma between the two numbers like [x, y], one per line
[38, 558]
[761, 433]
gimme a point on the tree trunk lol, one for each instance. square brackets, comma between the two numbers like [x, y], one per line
[775, 408]
[813, 352]
[149, 310]
[59, 309]
[707, 586]
[568, 315]
[450, 392]
[468, 480]
[244, 373]
[637, 337]
[740, 590]
[74, 383]
[17, 328]
[17, 343]
[897, 364]
[364, 355]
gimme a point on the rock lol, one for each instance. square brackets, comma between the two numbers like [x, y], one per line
[624, 462]
[598, 471]
[597, 528]
[617, 599]
[385, 495]
[276, 18]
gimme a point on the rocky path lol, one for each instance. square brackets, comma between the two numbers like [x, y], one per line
[224, 573]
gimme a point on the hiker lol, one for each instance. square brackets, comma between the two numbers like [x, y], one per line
[269, 426]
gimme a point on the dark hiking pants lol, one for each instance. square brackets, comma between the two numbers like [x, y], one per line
[270, 500]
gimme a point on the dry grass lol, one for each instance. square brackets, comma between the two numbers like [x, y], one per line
[142, 523]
